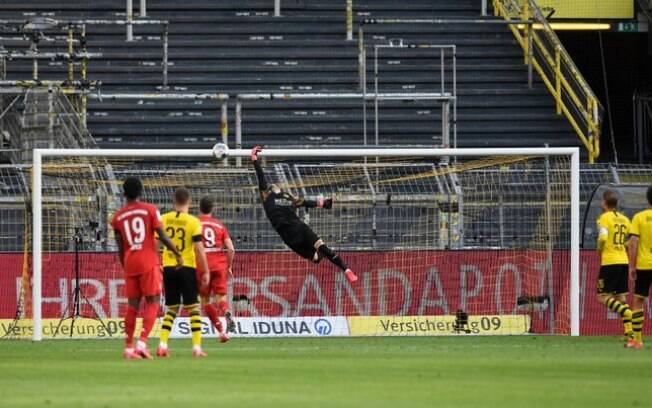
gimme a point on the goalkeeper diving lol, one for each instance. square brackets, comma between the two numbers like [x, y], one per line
[280, 208]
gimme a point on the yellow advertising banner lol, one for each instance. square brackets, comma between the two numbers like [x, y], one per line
[587, 9]
[81, 329]
[249, 327]
[437, 325]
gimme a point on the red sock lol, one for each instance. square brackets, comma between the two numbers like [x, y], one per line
[223, 306]
[149, 317]
[212, 314]
[130, 325]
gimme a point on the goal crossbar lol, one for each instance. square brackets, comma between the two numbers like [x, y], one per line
[302, 153]
[572, 152]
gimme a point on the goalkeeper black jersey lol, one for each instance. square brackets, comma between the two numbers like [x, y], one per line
[281, 210]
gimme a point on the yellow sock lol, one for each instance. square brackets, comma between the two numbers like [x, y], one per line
[623, 310]
[638, 317]
[627, 323]
[168, 323]
[195, 324]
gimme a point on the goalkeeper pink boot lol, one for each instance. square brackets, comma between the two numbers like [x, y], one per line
[350, 275]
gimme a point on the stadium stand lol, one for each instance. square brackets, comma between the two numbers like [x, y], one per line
[238, 46]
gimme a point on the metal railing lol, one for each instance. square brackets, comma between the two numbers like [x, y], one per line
[130, 16]
[544, 51]
[448, 94]
[78, 27]
[222, 98]
[445, 98]
[445, 52]
[642, 127]
[349, 16]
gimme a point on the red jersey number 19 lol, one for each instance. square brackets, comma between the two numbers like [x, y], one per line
[135, 233]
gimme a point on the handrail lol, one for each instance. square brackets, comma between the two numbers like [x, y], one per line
[545, 52]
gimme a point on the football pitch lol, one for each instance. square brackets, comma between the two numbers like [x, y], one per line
[334, 372]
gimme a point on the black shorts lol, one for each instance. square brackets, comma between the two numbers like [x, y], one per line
[643, 282]
[301, 239]
[613, 280]
[180, 286]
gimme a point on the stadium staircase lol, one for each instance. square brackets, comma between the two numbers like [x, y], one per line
[237, 46]
[49, 120]
[40, 118]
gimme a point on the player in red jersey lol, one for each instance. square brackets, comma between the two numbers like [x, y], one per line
[220, 253]
[136, 225]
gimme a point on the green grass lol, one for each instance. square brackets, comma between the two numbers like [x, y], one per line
[354, 372]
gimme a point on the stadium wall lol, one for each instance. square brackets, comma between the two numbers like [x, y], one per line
[479, 282]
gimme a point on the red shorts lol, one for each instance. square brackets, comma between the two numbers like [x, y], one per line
[217, 284]
[144, 284]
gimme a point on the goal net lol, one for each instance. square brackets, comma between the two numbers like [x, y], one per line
[455, 242]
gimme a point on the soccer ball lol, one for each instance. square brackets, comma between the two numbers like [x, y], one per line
[221, 151]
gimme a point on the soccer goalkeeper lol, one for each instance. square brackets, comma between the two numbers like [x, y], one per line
[280, 208]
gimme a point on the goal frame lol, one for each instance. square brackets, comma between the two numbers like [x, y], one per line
[37, 180]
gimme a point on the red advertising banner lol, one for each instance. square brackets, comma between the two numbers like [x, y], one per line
[280, 284]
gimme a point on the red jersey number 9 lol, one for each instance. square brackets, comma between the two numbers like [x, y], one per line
[209, 237]
[135, 233]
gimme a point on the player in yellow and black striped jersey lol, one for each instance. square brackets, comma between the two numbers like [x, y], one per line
[181, 283]
[613, 229]
[640, 267]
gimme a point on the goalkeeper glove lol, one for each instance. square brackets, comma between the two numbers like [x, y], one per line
[254, 153]
[326, 203]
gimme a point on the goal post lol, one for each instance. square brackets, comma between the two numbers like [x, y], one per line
[387, 154]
